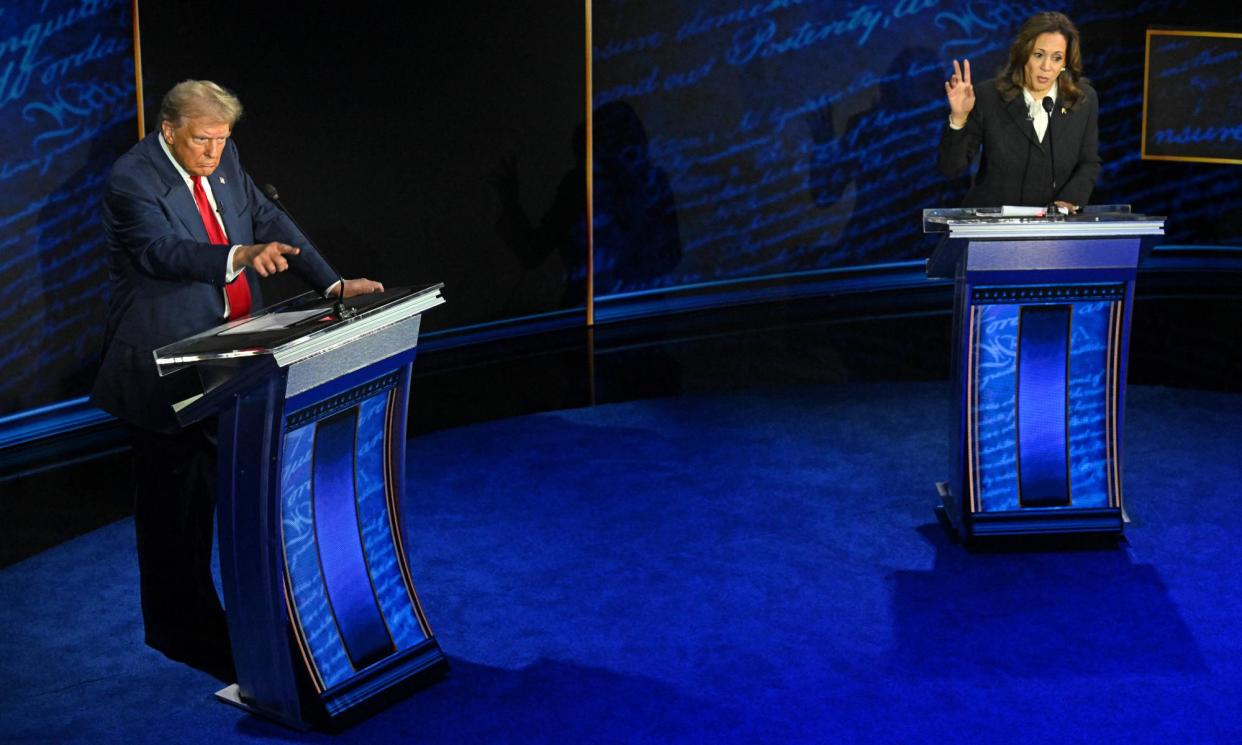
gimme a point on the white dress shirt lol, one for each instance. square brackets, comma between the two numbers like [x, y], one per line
[1035, 109]
[229, 272]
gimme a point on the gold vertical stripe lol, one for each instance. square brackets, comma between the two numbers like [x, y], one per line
[1108, 408]
[142, 125]
[392, 499]
[590, 176]
[970, 412]
[1115, 398]
[1146, 77]
[979, 471]
[295, 618]
[300, 638]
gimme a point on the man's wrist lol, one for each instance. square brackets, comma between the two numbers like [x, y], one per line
[231, 272]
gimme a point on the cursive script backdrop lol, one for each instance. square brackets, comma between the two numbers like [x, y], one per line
[66, 112]
[1196, 115]
[786, 136]
[733, 140]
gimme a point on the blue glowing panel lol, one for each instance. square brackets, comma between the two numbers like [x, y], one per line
[1087, 404]
[378, 525]
[313, 612]
[1043, 368]
[738, 140]
[995, 378]
[340, 543]
[67, 110]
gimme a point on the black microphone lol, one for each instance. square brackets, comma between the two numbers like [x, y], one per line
[1048, 104]
[341, 310]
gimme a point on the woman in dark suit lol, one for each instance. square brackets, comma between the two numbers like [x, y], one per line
[1036, 123]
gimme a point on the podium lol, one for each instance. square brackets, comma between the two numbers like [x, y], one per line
[319, 595]
[1041, 329]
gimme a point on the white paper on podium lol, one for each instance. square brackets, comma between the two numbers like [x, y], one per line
[273, 321]
[1015, 211]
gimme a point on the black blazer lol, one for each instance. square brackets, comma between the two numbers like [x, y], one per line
[1014, 167]
[167, 279]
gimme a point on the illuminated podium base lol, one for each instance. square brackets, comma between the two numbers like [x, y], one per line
[1041, 317]
[322, 612]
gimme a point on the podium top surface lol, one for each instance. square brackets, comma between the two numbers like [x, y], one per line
[298, 328]
[989, 223]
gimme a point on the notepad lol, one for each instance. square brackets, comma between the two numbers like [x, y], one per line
[272, 321]
[1012, 211]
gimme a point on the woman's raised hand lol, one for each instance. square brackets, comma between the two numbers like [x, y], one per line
[960, 92]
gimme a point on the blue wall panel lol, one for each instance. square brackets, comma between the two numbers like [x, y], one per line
[996, 376]
[67, 110]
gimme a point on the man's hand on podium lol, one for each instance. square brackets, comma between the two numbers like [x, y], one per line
[357, 286]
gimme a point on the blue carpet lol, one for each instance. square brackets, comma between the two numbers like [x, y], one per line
[753, 567]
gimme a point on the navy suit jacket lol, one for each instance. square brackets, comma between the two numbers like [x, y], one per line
[1015, 167]
[167, 279]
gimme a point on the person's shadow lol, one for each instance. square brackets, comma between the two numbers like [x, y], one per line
[884, 163]
[637, 242]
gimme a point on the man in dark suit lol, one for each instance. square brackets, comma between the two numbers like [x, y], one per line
[188, 235]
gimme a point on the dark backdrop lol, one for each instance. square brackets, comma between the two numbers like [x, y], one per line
[734, 139]
[384, 126]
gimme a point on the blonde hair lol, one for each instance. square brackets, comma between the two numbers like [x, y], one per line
[195, 98]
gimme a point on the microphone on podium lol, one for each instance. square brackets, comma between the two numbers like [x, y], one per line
[342, 311]
[1052, 160]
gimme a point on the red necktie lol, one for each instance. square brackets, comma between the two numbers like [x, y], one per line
[237, 291]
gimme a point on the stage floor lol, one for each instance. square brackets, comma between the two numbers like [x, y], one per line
[760, 565]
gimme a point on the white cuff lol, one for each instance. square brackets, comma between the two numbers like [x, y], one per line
[229, 272]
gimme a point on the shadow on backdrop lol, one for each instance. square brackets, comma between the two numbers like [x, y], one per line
[636, 238]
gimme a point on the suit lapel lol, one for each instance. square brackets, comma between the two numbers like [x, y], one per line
[176, 194]
[1018, 112]
[221, 189]
[1060, 130]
